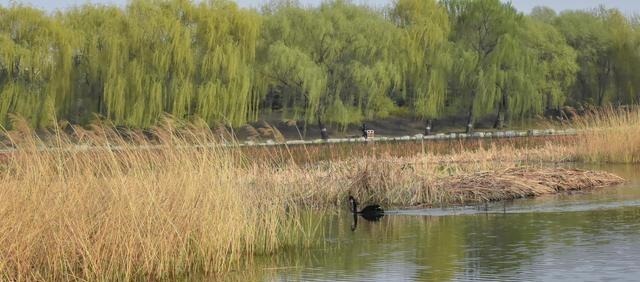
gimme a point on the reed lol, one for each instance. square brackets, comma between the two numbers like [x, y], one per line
[103, 204]
[432, 180]
[134, 214]
[610, 135]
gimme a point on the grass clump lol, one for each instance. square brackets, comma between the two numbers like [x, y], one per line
[433, 180]
[134, 213]
[610, 135]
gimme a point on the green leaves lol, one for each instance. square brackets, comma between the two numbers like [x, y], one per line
[335, 63]
[607, 46]
[35, 65]
[427, 56]
[556, 59]
[171, 57]
[483, 33]
[297, 78]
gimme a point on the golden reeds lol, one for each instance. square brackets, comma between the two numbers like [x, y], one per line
[165, 203]
[609, 135]
[430, 181]
[514, 183]
[134, 213]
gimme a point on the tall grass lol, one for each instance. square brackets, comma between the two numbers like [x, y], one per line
[609, 135]
[102, 205]
[134, 213]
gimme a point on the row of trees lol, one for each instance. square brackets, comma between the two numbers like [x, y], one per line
[337, 63]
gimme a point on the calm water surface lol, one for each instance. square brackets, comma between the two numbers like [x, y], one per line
[580, 237]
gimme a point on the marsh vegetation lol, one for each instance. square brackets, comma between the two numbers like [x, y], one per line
[136, 213]
[112, 116]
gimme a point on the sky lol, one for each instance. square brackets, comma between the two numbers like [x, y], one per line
[626, 6]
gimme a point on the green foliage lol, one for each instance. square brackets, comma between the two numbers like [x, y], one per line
[335, 62]
[556, 59]
[35, 65]
[159, 57]
[339, 62]
[607, 46]
[427, 56]
[625, 44]
[484, 32]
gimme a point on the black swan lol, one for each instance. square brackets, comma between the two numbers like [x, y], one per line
[370, 213]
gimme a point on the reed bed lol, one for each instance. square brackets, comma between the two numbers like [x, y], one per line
[610, 135]
[432, 180]
[135, 214]
[165, 205]
[521, 182]
[456, 148]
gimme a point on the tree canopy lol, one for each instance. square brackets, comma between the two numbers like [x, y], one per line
[339, 62]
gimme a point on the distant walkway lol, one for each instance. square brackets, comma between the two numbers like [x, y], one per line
[417, 137]
[420, 137]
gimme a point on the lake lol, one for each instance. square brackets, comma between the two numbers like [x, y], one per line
[586, 236]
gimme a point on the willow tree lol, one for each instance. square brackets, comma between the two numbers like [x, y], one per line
[427, 56]
[483, 34]
[226, 40]
[334, 63]
[553, 54]
[35, 66]
[533, 68]
[102, 34]
[147, 61]
[297, 82]
[363, 72]
[625, 46]
[517, 76]
[176, 57]
[587, 33]
[293, 80]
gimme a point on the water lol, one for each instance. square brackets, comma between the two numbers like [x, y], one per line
[591, 236]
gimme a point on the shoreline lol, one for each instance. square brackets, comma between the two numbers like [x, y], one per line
[497, 135]
[422, 137]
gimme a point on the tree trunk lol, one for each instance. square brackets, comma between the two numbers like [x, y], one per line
[100, 93]
[600, 95]
[503, 109]
[602, 85]
[470, 120]
[499, 123]
[323, 130]
[550, 104]
[428, 127]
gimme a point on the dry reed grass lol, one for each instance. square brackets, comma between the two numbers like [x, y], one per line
[432, 180]
[609, 135]
[514, 183]
[171, 206]
[556, 149]
[135, 214]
